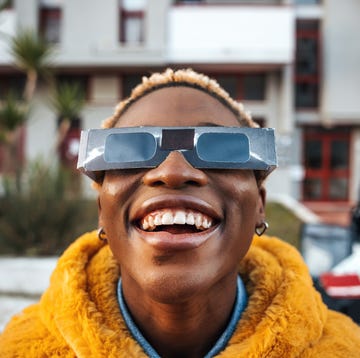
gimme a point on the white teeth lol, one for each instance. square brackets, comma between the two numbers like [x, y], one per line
[190, 220]
[157, 220]
[206, 224]
[198, 221]
[178, 217]
[151, 221]
[167, 219]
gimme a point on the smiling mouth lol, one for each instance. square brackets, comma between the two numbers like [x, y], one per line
[176, 221]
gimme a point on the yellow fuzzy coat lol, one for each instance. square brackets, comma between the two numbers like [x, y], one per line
[78, 315]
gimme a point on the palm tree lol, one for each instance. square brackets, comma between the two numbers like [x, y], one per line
[68, 101]
[31, 55]
[12, 117]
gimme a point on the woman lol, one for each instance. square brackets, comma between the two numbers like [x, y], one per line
[178, 271]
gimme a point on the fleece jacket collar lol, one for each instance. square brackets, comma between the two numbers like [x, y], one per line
[78, 315]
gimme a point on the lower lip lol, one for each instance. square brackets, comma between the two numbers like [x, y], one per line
[166, 241]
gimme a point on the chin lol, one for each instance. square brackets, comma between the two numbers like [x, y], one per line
[172, 288]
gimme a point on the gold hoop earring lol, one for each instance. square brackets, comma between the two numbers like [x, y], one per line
[101, 234]
[261, 228]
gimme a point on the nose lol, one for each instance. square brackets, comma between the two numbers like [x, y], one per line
[175, 172]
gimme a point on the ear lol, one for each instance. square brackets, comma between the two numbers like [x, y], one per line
[260, 218]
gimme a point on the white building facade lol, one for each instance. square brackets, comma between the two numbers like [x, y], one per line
[294, 65]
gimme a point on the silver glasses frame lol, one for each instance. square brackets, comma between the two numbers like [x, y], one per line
[93, 142]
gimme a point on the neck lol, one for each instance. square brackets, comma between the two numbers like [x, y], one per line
[188, 328]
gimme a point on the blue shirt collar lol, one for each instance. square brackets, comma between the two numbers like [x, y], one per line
[239, 306]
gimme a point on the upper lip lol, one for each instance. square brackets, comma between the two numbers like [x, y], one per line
[169, 201]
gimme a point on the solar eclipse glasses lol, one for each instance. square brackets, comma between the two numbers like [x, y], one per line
[203, 147]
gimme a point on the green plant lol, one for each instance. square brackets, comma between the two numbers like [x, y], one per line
[68, 100]
[12, 115]
[43, 217]
[32, 55]
[283, 223]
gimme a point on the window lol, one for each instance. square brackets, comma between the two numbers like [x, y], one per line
[230, 84]
[260, 121]
[132, 21]
[249, 87]
[6, 4]
[81, 80]
[13, 85]
[254, 87]
[307, 2]
[307, 75]
[129, 82]
[188, 1]
[50, 20]
[326, 161]
[306, 95]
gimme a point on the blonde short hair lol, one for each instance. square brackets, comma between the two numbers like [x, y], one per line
[178, 78]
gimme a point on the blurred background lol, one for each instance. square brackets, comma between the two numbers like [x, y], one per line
[295, 64]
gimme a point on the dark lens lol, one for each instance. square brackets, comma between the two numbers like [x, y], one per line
[177, 139]
[129, 147]
[223, 147]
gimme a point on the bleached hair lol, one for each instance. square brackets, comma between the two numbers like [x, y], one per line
[178, 78]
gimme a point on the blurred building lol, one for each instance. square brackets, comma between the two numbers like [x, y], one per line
[294, 64]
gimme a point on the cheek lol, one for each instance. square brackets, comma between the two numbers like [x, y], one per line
[114, 197]
[111, 212]
[241, 197]
[108, 203]
[111, 219]
[120, 184]
[241, 192]
[115, 194]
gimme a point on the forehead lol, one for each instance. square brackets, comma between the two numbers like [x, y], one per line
[177, 106]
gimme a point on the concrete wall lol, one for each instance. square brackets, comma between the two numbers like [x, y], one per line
[93, 38]
[341, 73]
[341, 52]
[26, 13]
[7, 28]
[237, 34]
[88, 26]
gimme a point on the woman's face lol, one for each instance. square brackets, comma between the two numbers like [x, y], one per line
[143, 211]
